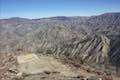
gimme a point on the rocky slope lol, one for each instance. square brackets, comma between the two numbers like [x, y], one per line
[92, 39]
[42, 67]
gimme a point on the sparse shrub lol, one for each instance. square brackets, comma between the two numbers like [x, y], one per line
[39, 51]
[49, 51]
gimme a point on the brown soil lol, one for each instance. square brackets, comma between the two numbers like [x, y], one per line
[9, 70]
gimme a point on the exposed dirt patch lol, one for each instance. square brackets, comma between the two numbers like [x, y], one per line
[53, 69]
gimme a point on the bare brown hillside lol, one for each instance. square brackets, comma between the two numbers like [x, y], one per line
[78, 41]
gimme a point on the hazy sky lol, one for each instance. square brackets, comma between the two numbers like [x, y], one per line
[47, 8]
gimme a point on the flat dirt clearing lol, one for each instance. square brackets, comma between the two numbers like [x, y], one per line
[33, 64]
[42, 67]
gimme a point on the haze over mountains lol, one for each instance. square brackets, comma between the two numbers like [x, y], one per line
[89, 39]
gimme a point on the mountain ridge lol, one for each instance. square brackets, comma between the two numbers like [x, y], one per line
[89, 39]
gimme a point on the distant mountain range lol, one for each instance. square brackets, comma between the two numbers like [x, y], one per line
[89, 39]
